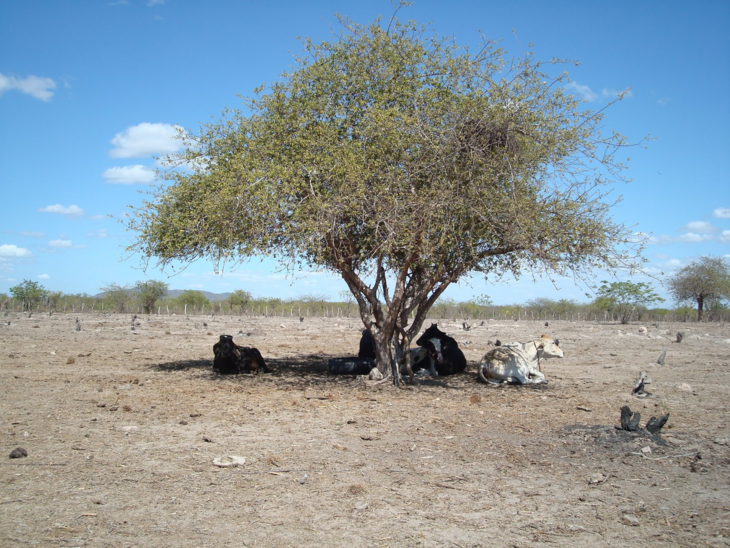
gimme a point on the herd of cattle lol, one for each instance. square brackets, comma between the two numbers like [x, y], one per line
[436, 354]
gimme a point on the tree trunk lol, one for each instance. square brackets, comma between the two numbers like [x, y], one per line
[700, 303]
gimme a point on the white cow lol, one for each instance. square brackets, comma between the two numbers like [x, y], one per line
[518, 363]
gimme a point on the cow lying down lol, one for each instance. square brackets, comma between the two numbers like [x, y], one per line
[518, 363]
[231, 359]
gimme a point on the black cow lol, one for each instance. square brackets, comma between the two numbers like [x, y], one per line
[367, 345]
[227, 356]
[231, 359]
[443, 350]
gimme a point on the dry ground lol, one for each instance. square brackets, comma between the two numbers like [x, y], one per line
[122, 426]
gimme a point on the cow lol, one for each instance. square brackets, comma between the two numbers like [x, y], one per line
[231, 359]
[227, 356]
[518, 363]
[367, 345]
[252, 361]
[444, 355]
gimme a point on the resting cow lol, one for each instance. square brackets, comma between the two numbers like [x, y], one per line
[518, 363]
[231, 359]
[439, 353]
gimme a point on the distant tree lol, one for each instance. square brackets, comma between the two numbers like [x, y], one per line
[117, 295]
[150, 292]
[54, 299]
[704, 282]
[401, 162]
[29, 293]
[623, 298]
[239, 299]
[193, 298]
[313, 298]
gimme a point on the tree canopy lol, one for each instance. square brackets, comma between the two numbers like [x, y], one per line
[149, 292]
[402, 162]
[624, 298]
[30, 293]
[704, 282]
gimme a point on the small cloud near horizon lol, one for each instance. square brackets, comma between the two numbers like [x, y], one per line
[721, 213]
[44, 277]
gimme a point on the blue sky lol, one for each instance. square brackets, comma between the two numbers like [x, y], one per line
[90, 92]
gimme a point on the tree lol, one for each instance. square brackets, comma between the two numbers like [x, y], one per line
[239, 298]
[192, 298]
[705, 282]
[401, 162]
[29, 294]
[149, 292]
[117, 294]
[623, 298]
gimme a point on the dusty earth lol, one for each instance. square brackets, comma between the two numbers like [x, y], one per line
[122, 427]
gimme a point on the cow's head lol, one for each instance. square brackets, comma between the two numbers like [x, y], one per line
[431, 340]
[549, 348]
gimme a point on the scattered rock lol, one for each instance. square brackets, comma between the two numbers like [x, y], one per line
[375, 375]
[628, 519]
[721, 441]
[684, 387]
[361, 506]
[18, 453]
[643, 330]
[680, 336]
[596, 479]
[230, 461]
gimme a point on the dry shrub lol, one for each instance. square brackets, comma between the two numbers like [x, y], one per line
[70, 360]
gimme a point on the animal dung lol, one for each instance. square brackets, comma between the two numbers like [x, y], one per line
[18, 453]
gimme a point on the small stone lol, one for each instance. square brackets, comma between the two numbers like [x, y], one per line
[721, 441]
[628, 519]
[684, 387]
[18, 453]
[597, 478]
[360, 506]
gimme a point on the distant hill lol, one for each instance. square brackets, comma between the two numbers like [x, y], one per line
[213, 297]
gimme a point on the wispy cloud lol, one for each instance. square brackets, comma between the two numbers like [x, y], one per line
[144, 140]
[44, 277]
[62, 242]
[152, 3]
[101, 233]
[721, 213]
[72, 210]
[11, 251]
[129, 175]
[701, 227]
[725, 236]
[35, 86]
[692, 238]
[587, 94]
[31, 234]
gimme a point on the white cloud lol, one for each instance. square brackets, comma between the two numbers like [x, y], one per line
[692, 238]
[44, 277]
[35, 86]
[129, 175]
[31, 234]
[152, 3]
[725, 236]
[722, 213]
[58, 208]
[144, 140]
[701, 227]
[13, 251]
[584, 92]
[60, 244]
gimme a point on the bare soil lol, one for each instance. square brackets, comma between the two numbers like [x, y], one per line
[122, 426]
